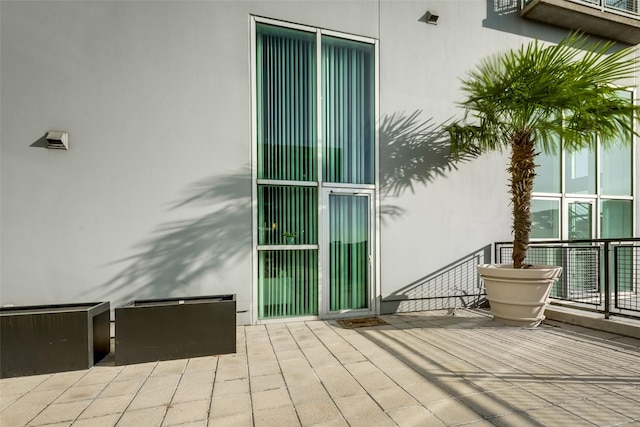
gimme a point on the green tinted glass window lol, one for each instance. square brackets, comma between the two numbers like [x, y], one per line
[615, 171]
[286, 101]
[616, 219]
[287, 283]
[287, 215]
[348, 111]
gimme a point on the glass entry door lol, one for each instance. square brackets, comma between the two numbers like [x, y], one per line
[580, 219]
[581, 261]
[348, 256]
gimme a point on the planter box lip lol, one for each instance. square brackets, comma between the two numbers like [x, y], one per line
[507, 272]
[54, 308]
[509, 266]
[159, 302]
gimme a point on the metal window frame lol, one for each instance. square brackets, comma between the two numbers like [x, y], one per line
[322, 203]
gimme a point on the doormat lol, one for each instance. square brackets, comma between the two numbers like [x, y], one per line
[361, 322]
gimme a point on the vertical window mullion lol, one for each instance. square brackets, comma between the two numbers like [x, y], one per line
[284, 111]
[360, 133]
[343, 105]
[301, 112]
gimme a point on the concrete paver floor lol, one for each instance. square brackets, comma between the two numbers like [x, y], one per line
[422, 369]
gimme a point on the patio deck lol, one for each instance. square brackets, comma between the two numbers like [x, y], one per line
[421, 369]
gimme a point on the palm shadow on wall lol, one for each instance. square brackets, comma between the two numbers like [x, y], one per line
[413, 152]
[183, 252]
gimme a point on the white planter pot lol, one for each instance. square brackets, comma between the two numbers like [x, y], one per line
[518, 296]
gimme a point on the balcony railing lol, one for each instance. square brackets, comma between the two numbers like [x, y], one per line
[612, 19]
[614, 6]
[600, 275]
[626, 7]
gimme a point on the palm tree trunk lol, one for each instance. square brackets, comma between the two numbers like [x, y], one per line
[522, 170]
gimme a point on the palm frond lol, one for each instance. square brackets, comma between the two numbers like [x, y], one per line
[529, 87]
[544, 95]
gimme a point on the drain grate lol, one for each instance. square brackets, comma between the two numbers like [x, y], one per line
[361, 322]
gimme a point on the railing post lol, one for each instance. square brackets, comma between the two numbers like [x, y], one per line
[617, 275]
[607, 288]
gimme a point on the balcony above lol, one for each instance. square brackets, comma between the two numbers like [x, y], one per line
[612, 19]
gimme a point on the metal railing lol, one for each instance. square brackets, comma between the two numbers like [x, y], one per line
[623, 7]
[456, 285]
[600, 275]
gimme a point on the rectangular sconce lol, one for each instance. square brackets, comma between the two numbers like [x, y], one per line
[431, 18]
[58, 140]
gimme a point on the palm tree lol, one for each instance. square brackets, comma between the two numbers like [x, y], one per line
[536, 96]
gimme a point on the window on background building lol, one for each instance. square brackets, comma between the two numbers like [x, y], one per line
[580, 172]
[585, 194]
[549, 175]
[615, 171]
[616, 219]
[545, 219]
[303, 146]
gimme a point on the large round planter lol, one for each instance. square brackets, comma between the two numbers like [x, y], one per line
[518, 297]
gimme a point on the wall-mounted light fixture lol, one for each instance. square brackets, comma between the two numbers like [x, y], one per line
[58, 139]
[431, 18]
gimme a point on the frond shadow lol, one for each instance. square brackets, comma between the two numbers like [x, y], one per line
[181, 253]
[413, 152]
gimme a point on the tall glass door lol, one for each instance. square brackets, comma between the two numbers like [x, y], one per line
[348, 262]
[580, 219]
[581, 263]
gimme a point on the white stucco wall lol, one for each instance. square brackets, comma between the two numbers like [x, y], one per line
[153, 198]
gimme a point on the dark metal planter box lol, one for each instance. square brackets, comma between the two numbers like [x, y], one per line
[52, 338]
[175, 328]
